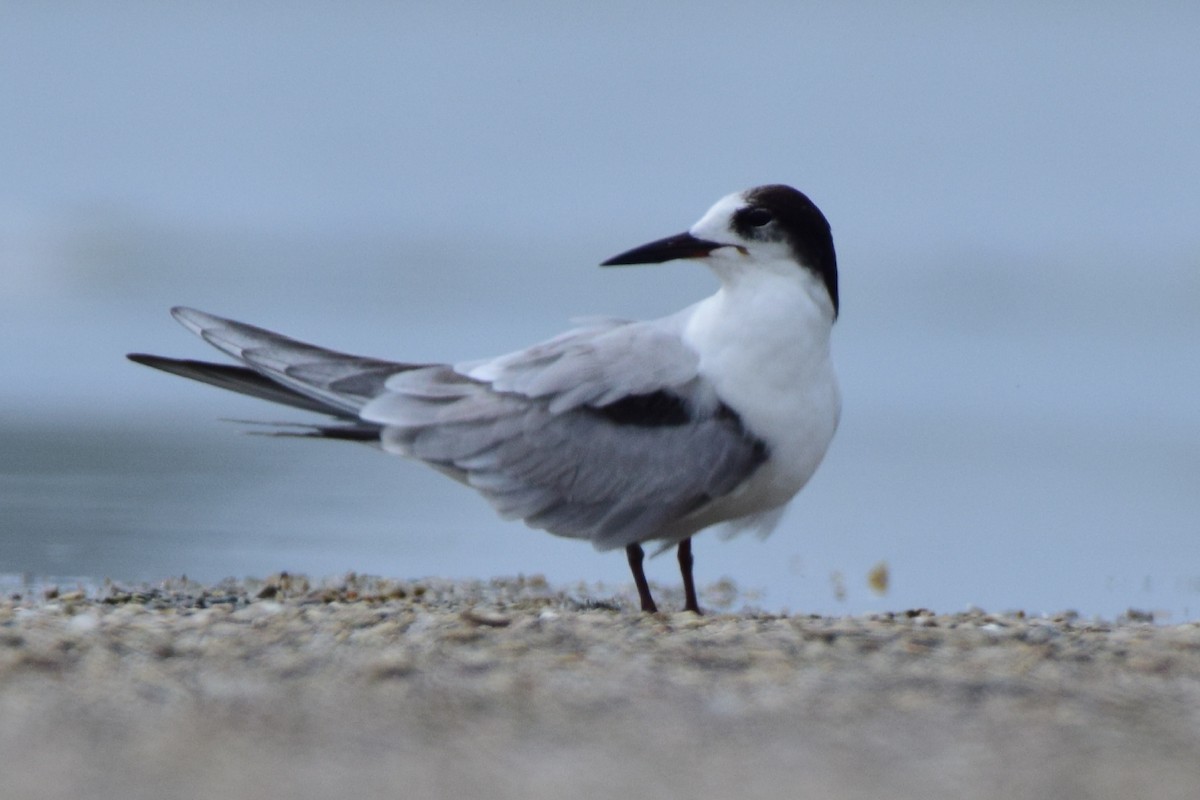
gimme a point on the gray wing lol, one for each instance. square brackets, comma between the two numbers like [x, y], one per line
[342, 382]
[606, 433]
[285, 371]
[242, 380]
[595, 365]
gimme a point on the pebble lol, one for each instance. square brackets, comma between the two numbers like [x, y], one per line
[510, 667]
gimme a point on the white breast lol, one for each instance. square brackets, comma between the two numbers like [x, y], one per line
[763, 341]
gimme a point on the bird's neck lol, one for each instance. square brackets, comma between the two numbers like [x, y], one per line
[772, 312]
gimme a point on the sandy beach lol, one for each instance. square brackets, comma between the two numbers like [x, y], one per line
[364, 687]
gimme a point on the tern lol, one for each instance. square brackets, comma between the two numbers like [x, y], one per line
[619, 432]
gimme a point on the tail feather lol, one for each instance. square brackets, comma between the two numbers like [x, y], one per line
[283, 370]
[341, 380]
[242, 380]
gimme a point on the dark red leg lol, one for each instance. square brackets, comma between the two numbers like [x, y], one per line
[685, 566]
[636, 556]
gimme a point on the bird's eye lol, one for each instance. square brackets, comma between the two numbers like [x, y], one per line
[757, 217]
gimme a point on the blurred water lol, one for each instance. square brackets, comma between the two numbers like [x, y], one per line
[1013, 193]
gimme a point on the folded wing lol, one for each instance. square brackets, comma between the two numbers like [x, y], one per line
[606, 433]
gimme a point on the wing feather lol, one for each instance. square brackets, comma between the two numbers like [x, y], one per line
[595, 365]
[607, 433]
[574, 472]
[343, 381]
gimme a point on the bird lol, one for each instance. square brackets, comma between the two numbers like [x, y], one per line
[618, 432]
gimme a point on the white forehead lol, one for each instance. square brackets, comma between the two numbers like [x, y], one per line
[715, 224]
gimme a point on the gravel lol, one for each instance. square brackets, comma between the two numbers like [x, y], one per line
[369, 687]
